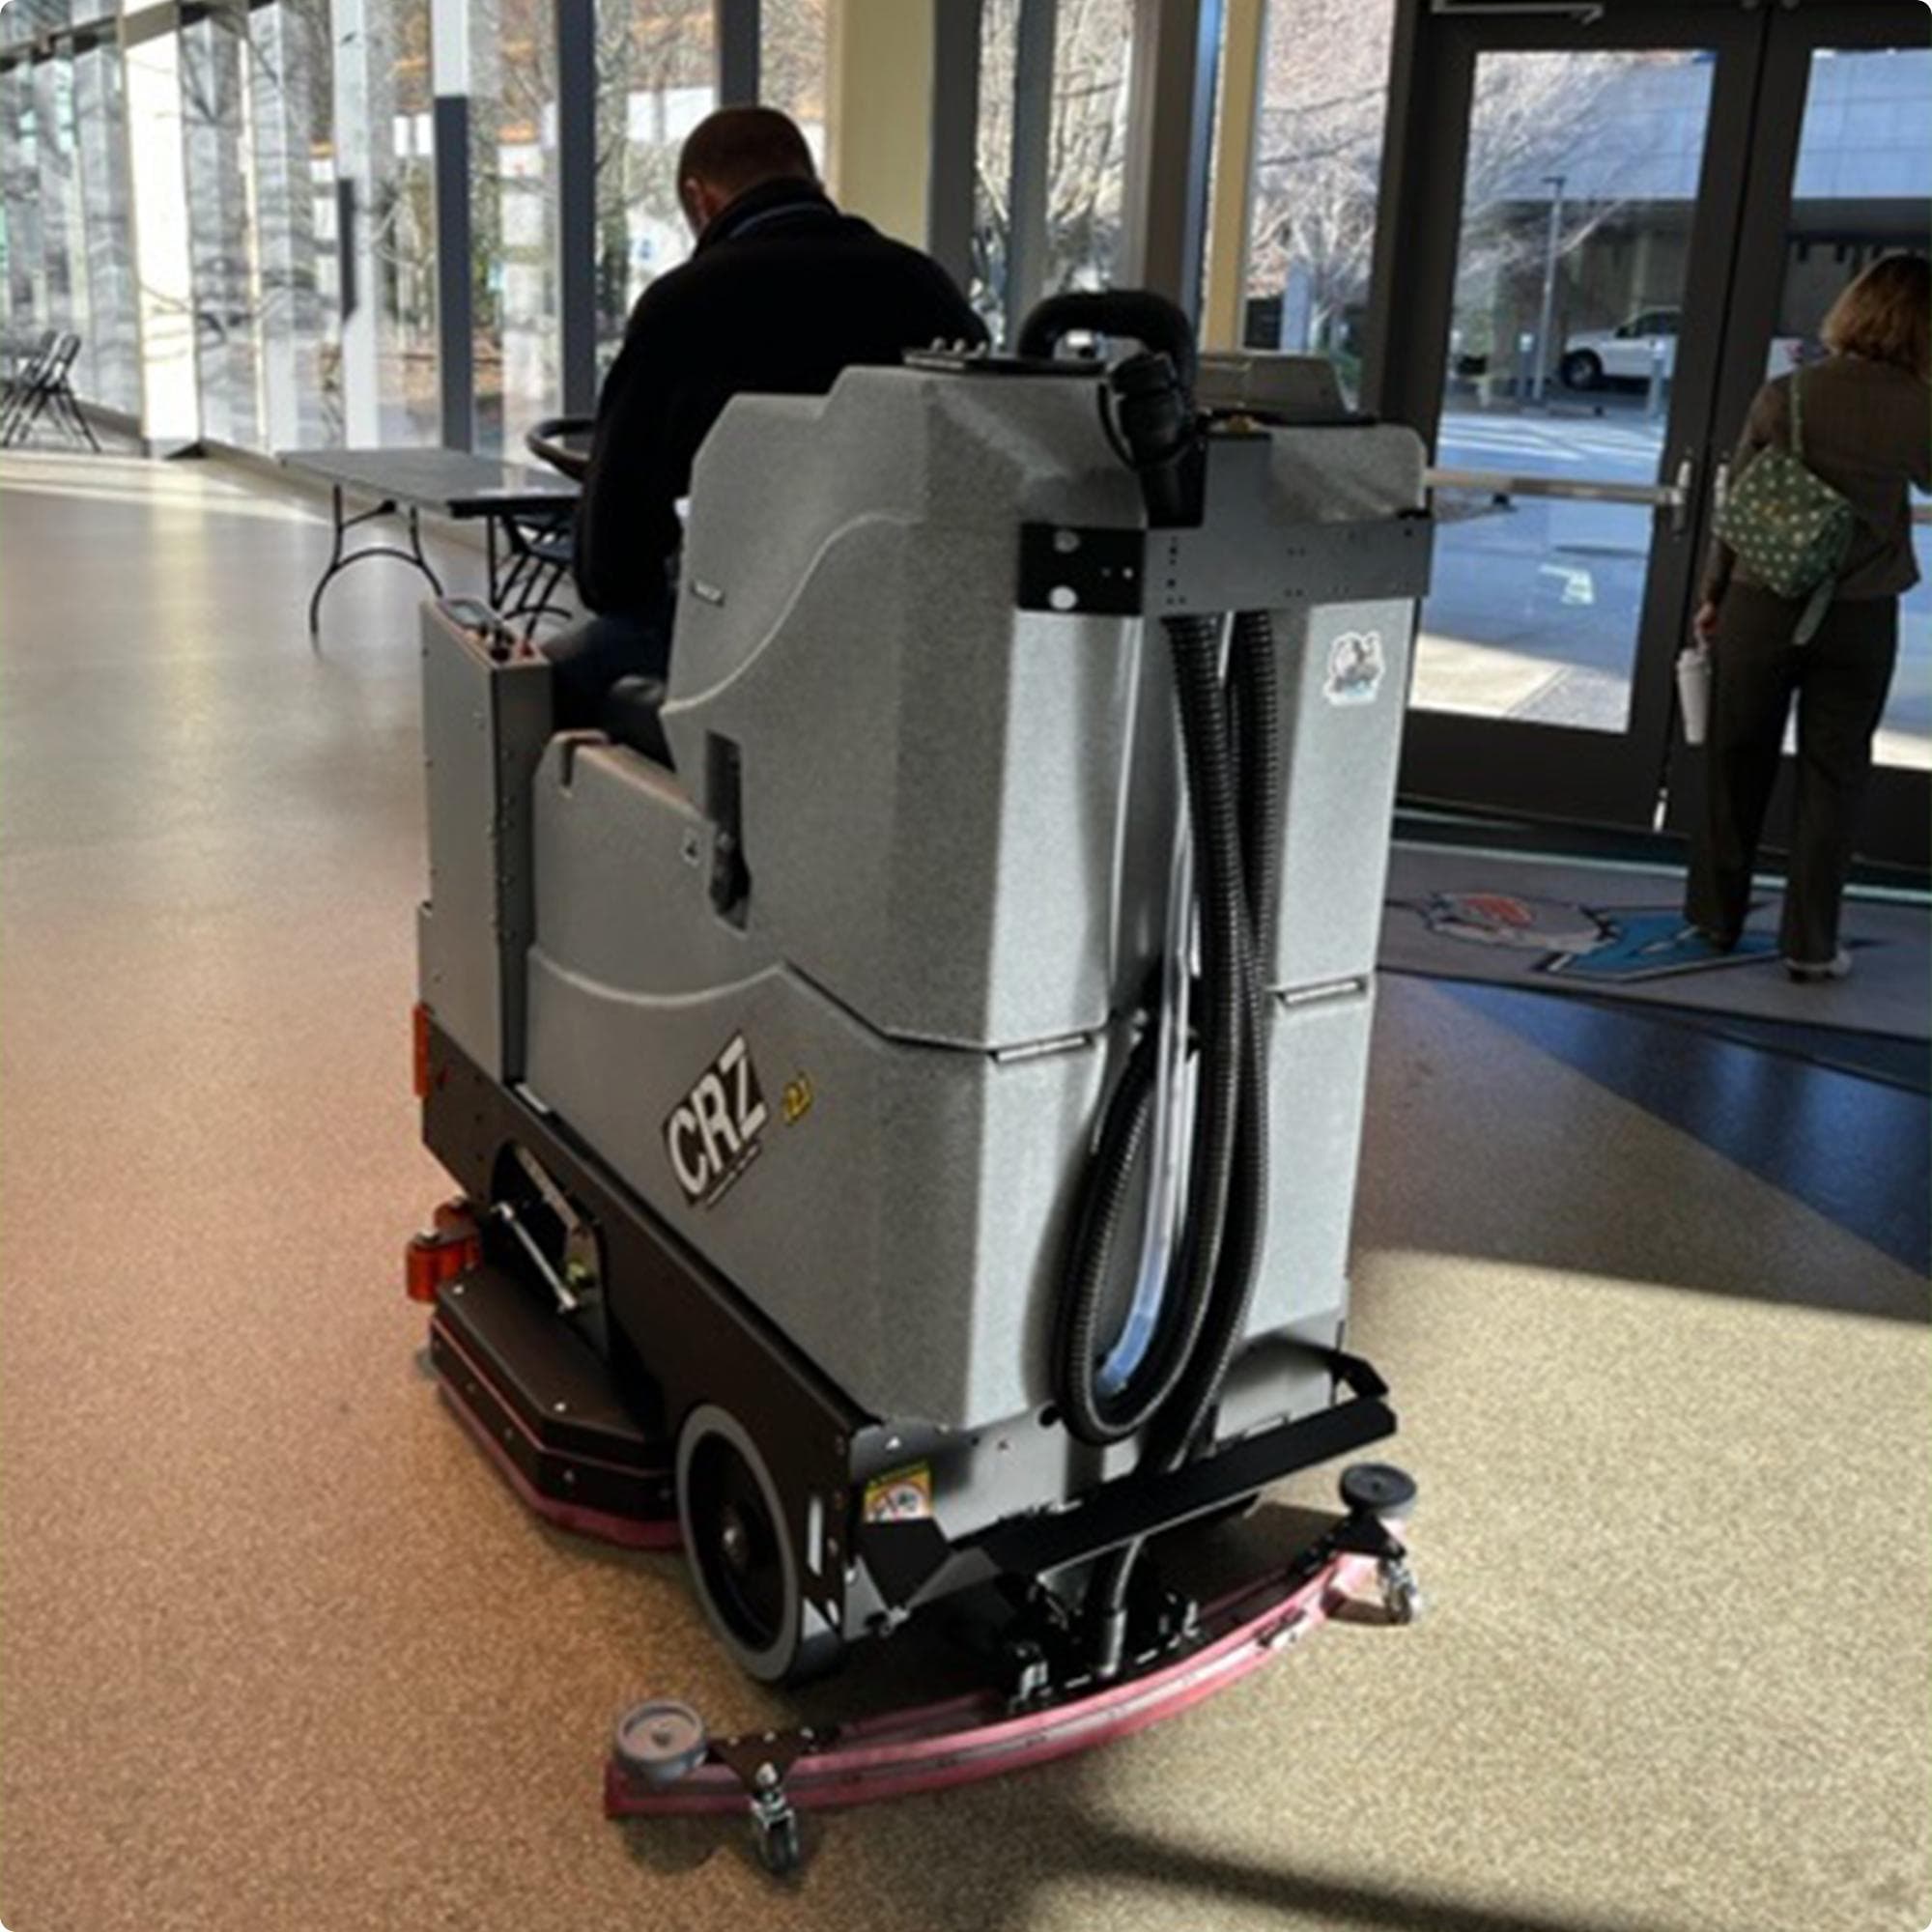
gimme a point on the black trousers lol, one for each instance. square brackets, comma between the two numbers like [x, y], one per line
[590, 657]
[1839, 679]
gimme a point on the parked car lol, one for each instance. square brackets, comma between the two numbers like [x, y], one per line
[1623, 353]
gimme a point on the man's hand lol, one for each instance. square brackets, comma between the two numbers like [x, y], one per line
[1704, 625]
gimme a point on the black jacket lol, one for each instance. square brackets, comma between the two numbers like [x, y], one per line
[782, 293]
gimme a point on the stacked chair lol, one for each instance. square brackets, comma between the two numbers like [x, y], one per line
[43, 386]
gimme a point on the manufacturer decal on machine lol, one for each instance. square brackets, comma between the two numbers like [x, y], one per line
[1355, 667]
[713, 1133]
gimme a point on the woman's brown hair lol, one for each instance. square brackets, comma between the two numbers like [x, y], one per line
[1885, 315]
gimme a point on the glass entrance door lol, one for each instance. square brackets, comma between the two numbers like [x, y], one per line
[1565, 381]
[1843, 175]
[1596, 259]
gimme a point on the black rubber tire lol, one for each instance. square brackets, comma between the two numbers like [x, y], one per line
[743, 1567]
[1581, 369]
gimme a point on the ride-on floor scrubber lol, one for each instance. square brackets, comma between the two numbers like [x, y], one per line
[905, 1081]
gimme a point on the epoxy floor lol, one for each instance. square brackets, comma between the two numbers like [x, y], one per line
[279, 1652]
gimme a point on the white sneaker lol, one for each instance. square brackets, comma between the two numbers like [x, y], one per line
[1810, 973]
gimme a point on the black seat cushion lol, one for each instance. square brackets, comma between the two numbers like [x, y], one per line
[631, 715]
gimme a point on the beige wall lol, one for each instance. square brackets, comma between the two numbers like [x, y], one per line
[880, 111]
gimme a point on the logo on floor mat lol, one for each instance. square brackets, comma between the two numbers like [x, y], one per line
[713, 1133]
[1614, 945]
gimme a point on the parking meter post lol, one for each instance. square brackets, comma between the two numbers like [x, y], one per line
[1528, 381]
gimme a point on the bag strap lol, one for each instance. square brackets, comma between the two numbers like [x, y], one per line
[1798, 413]
[1815, 606]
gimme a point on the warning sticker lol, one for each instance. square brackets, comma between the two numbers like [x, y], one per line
[903, 1497]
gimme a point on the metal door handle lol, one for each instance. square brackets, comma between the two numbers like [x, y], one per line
[1679, 500]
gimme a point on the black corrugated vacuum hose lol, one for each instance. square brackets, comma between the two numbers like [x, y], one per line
[1258, 702]
[1236, 999]
[1195, 646]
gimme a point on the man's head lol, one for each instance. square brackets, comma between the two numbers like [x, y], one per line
[733, 150]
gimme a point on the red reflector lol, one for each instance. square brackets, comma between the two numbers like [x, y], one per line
[420, 1022]
[420, 1262]
[433, 1259]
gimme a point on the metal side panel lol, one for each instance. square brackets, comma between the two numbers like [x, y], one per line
[895, 1210]
[1345, 683]
[1318, 1065]
[485, 725]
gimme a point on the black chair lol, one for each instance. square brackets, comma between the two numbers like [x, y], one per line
[44, 385]
[542, 550]
[26, 363]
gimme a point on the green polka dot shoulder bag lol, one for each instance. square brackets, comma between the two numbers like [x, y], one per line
[1788, 527]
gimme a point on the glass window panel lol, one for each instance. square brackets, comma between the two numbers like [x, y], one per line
[992, 203]
[300, 345]
[1087, 158]
[655, 82]
[163, 282]
[1321, 120]
[383, 151]
[100, 109]
[1905, 731]
[513, 212]
[791, 65]
[1086, 151]
[62, 238]
[404, 179]
[1578, 192]
[21, 183]
[221, 228]
[1863, 179]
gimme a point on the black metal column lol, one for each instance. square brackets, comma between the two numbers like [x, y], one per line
[1033, 131]
[455, 319]
[737, 36]
[955, 132]
[576, 187]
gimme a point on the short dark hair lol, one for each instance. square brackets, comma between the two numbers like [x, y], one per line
[737, 148]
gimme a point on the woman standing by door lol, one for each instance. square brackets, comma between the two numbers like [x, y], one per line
[1866, 415]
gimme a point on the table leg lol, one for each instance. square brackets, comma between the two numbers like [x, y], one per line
[334, 564]
[339, 561]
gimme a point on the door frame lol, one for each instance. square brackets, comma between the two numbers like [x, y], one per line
[1545, 770]
[1897, 818]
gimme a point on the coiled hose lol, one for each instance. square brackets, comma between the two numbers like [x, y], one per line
[1235, 790]
[1207, 748]
[1258, 709]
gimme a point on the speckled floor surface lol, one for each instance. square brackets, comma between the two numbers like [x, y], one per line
[281, 1653]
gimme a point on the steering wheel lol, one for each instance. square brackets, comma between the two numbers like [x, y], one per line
[563, 442]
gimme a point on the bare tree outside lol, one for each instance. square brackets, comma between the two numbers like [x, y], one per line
[1086, 147]
[1318, 151]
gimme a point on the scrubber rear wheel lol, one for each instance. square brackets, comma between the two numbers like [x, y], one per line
[743, 1565]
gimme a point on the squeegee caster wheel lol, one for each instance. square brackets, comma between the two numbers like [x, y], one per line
[743, 1565]
[778, 1850]
[660, 1741]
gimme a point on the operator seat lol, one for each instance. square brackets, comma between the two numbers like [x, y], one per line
[631, 715]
